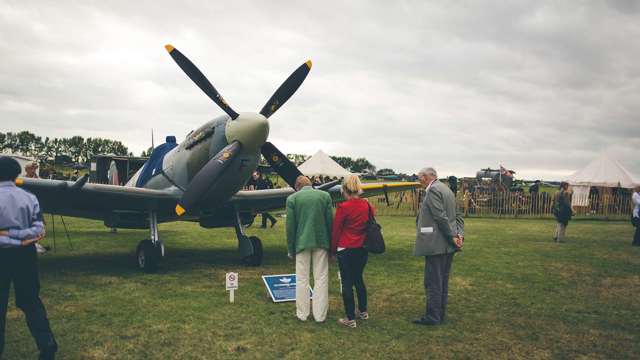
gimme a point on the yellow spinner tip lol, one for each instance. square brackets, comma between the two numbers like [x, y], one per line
[169, 47]
[309, 64]
[19, 182]
[180, 210]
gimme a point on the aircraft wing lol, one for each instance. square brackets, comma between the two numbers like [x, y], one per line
[262, 200]
[98, 201]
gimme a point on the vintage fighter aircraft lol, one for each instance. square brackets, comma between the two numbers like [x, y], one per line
[198, 180]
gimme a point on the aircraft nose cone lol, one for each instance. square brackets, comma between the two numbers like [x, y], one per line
[250, 129]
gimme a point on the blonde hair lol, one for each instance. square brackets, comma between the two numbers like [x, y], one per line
[352, 186]
[302, 181]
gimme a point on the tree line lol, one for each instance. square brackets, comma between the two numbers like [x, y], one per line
[81, 150]
[77, 148]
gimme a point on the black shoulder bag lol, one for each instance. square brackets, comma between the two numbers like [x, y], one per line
[373, 242]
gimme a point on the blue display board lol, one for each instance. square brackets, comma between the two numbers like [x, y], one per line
[282, 287]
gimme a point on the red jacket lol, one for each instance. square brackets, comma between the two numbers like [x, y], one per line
[350, 224]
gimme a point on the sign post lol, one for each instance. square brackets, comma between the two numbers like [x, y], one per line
[232, 284]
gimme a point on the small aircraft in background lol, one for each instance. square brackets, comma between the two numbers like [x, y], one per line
[197, 180]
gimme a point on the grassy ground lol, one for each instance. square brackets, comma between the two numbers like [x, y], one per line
[513, 294]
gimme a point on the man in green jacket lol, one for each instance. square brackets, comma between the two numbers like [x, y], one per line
[439, 234]
[309, 220]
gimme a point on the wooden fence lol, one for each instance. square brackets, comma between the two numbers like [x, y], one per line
[512, 204]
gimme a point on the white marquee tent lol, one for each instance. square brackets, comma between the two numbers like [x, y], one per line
[600, 172]
[322, 164]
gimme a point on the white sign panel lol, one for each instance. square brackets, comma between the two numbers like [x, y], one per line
[232, 281]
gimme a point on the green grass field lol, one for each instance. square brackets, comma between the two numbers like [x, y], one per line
[513, 294]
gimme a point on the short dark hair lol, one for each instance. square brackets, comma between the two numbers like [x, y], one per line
[564, 185]
[9, 168]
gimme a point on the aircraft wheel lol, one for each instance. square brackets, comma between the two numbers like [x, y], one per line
[254, 259]
[148, 256]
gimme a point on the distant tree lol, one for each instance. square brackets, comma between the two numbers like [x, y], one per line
[297, 159]
[344, 161]
[385, 172]
[147, 153]
[361, 165]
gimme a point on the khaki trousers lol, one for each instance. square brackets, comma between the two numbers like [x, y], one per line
[561, 229]
[319, 260]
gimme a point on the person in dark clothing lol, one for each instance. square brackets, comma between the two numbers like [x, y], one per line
[562, 211]
[21, 226]
[348, 236]
[453, 184]
[263, 183]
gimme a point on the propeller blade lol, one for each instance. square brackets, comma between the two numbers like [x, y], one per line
[280, 164]
[206, 178]
[285, 90]
[198, 77]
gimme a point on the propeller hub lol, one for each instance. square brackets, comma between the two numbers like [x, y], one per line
[250, 129]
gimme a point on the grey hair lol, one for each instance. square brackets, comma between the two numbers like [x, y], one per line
[428, 171]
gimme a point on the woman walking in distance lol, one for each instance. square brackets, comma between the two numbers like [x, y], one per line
[349, 229]
[562, 211]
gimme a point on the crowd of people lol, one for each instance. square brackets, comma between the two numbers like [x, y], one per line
[314, 235]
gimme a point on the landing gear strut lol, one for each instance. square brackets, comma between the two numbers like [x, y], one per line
[250, 247]
[150, 251]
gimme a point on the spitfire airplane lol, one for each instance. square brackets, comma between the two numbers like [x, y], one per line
[198, 180]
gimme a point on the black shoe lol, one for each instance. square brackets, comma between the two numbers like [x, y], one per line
[426, 322]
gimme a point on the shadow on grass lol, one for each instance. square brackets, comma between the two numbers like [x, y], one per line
[177, 260]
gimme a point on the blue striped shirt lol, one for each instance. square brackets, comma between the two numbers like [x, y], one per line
[19, 215]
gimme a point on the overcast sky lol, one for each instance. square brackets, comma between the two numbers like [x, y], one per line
[540, 87]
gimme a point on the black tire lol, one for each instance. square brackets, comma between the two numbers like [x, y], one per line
[256, 258]
[148, 256]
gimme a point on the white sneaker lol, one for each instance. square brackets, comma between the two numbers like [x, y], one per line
[347, 323]
[364, 315]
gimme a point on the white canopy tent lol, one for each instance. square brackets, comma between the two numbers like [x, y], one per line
[600, 172]
[322, 164]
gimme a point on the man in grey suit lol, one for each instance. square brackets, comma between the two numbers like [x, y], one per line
[440, 233]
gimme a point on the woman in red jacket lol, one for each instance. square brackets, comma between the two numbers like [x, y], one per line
[349, 228]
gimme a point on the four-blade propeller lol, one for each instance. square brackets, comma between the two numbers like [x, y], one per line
[206, 177]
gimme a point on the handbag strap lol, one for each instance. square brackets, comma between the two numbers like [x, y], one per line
[372, 219]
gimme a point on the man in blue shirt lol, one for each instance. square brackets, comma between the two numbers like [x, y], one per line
[20, 228]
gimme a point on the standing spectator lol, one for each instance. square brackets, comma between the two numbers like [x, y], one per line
[21, 227]
[453, 184]
[263, 183]
[562, 211]
[253, 181]
[440, 233]
[31, 170]
[349, 233]
[309, 220]
[636, 215]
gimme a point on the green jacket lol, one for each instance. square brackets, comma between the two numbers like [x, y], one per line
[309, 220]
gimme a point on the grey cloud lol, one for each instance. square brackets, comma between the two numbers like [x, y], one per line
[541, 87]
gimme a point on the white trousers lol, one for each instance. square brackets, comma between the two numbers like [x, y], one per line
[319, 259]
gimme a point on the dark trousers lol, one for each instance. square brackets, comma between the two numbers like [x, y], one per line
[636, 237]
[20, 267]
[436, 283]
[265, 216]
[352, 263]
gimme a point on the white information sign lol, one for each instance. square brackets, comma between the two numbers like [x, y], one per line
[232, 284]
